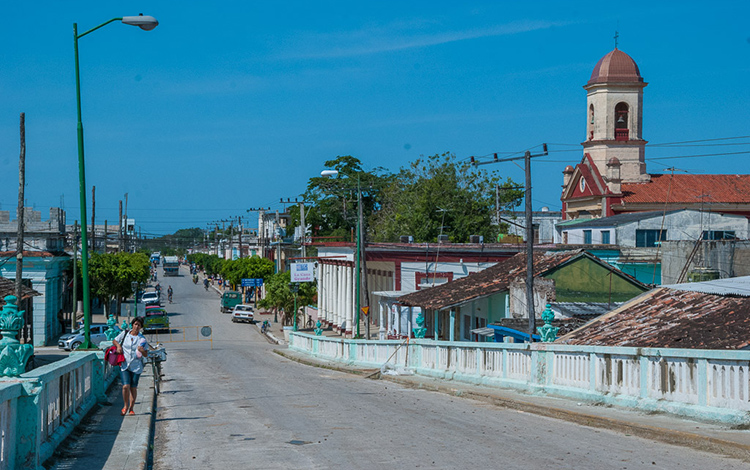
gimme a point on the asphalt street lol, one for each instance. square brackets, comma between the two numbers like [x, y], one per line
[239, 405]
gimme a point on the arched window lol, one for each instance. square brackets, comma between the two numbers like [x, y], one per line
[591, 122]
[621, 121]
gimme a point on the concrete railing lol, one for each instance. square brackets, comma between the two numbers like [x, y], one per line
[40, 408]
[704, 384]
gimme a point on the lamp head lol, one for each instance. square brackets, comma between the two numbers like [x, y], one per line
[329, 173]
[146, 23]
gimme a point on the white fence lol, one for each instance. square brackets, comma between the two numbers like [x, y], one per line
[706, 384]
[40, 408]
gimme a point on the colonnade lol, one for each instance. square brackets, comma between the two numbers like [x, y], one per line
[336, 301]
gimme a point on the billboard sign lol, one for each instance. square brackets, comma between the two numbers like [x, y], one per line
[303, 272]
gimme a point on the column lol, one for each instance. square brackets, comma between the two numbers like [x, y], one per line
[349, 300]
[452, 332]
[320, 293]
[435, 322]
[381, 331]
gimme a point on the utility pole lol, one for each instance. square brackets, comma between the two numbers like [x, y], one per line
[125, 225]
[93, 219]
[119, 231]
[19, 234]
[529, 249]
[362, 253]
[105, 237]
[529, 232]
[239, 222]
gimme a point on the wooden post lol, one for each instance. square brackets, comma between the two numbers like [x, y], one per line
[27, 331]
[529, 250]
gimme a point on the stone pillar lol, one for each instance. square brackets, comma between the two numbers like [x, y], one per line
[435, 322]
[452, 332]
[320, 297]
[349, 304]
[381, 330]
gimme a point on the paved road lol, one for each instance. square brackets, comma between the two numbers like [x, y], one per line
[239, 405]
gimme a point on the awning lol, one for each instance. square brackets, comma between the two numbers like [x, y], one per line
[486, 331]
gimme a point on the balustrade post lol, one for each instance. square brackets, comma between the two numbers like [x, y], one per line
[644, 363]
[29, 426]
[702, 382]
[592, 372]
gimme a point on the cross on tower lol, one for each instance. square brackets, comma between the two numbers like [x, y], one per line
[617, 35]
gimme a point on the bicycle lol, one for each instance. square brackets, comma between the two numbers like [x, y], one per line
[265, 326]
[156, 356]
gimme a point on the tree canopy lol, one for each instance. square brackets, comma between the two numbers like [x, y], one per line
[111, 274]
[250, 268]
[438, 194]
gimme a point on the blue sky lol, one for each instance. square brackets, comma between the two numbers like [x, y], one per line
[232, 105]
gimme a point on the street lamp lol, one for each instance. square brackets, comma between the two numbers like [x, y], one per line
[146, 23]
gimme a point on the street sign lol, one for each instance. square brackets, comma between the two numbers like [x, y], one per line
[303, 272]
[365, 310]
[254, 282]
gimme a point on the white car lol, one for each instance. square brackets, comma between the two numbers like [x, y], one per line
[150, 298]
[242, 313]
[71, 341]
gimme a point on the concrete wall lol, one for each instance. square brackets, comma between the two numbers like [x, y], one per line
[730, 257]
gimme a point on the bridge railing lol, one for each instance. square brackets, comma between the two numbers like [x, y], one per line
[705, 384]
[40, 408]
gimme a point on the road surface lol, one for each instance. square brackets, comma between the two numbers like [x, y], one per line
[240, 406]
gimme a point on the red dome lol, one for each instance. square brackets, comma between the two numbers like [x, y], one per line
[616, 66]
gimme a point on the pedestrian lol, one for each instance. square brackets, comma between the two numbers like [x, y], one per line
[134, 347]
[61, 319]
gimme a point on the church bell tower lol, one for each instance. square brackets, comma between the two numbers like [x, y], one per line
[614, 122]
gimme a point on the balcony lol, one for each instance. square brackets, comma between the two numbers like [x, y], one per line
[621, 134]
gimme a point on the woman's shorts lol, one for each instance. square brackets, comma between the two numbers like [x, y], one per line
[129, 378]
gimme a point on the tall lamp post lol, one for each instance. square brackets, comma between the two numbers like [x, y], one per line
[146, 23]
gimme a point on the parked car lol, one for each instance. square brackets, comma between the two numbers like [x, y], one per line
[71, 341]
[150, 298]
[156, 319]
[242, 313]
[229, 299]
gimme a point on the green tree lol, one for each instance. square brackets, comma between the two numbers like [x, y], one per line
[111, 275]
[332, 211]
[249, 268]
[279, 296]
[438, 192]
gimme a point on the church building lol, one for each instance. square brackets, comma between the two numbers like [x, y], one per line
[612, 178]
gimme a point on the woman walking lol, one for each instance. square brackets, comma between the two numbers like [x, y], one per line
[134, 347]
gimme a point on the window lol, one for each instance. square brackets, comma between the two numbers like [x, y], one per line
[621, 121]
[605, 237]
[648, 238]
[587, 237]
[718, 235]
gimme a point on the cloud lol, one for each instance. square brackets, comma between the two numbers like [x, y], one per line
[401, 36]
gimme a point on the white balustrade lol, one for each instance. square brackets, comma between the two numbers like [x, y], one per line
[655, 379]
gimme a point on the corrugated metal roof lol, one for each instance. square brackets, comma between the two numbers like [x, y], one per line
[614, 220]
[583, 309]
[739, 286]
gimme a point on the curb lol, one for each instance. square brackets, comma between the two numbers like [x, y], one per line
[665, 435]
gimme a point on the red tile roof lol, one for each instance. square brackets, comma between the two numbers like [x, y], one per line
[494, 279]
[616, 66]
[8, 287]
[28, 254]
[732, 189]
[668, 318]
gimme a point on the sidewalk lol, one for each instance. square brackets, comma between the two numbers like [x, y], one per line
[107, 440]
[708, 437]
